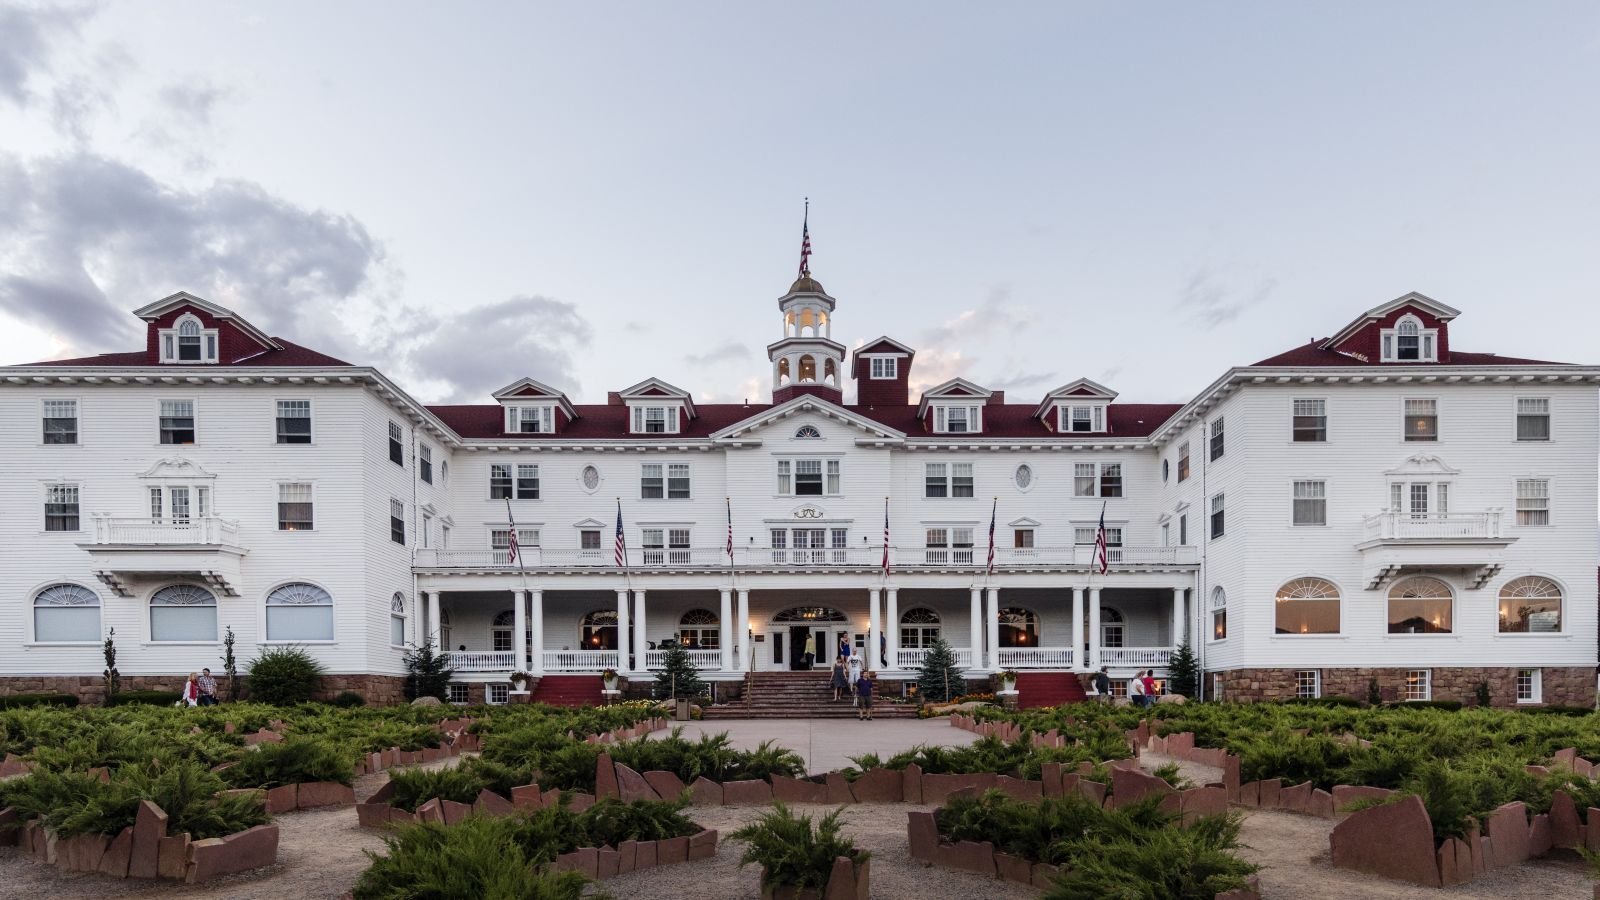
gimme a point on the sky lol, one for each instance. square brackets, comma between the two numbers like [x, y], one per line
[592, 194]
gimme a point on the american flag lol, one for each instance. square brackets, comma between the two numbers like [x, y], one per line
[511, 542]
[805, 241]
[730, 530]
[886, 535]
[1102, 557]
[993, 511]
[622, 542]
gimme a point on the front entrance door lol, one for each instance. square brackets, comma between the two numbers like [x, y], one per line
[797, 646]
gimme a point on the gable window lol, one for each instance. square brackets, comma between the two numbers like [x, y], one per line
[425, 463]
[189, 342]
[1081, 419]
[1530, 604]
[183, 612]
[60, 421]
[397, 521]
[397, 449]
[1217, 445]
[1533, 501]
[668, 546]
[299, 612]
[1421, 605]
[1533, 419]
[655, 420]
[1308, 606]
[1218, 516]
[1219, 614]
[1183, 462]
[513, 482]
[397, 620]
[1310, 503]
[177, 421]
[66, 614]
[957, 419]
[530, 419]
[949, 546]
[61, 507]
[1422, 419]
[1408, 341]
[500, 544]
[807, 433]
[294, 507]
[884, 367]
[294, 421]
[1084, 536]
[1310, 424]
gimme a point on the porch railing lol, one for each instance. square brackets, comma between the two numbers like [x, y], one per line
[912, 658]
[951, 558]
[1035, 657]
[482, 660]
[579, 660]
[1135, 656]
[203, 530]
[702, 659]
[1394, 525]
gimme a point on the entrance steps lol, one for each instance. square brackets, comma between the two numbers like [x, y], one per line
[568, 690]
[1048, 689]
[803, 695]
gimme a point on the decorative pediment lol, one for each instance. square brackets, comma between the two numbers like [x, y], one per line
[883, 346]
[1082, 389]
[1022, 523]
[165, 305]
[808, 511]
[529, 391]
[1421, 302]
[589, 523]
[656, 389]
[175, 468]
[1422, 464]
[744, 429]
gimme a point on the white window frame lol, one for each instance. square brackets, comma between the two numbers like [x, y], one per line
[667, 472]
[1427, 340]
[663, 544]
[1092, 413]
[1185, 466]
[396, 442]
[542, 418]
[971, 414]
[458, 693]
[948, 475]
[518, 472]
[266, 607]
[397, 513]
[1406, 414]
[1417, 686]
[193, 417]
[33, 614]
[1534, 693]
[216, 605]
[425, 462]
[528, 539]
[77, 421]
[44, 508]
[640, 414]
[169, 342]
[1217, 441]
[397, 619]
[278, 501]
[1308, 408]
[497, 694]
[1308, 491]
[1218, 607]
[1084, 534]
[1532, 496]
[278, 419]
[1217, 506]
[1308, 688]
[949, 545]
[883, 368]
[1531, 408]
[830, 471]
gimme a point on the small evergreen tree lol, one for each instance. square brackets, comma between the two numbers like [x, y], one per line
[428, 673]
[939, 678]
[230, 666]
[678, 676]
[284, 676]
[1183, 671]
[112, 676]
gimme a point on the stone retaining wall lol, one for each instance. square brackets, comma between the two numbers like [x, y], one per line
[1561, 686]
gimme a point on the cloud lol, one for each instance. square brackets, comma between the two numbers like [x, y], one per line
[185, 122]
[1211, 304]
[936, 366]
[1023, 380]
[29, 37]
[995, 316]
[468, 352]
[727, 351]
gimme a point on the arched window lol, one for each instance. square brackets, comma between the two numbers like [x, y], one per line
[66, 614]
[299, 612]
[808, 369]
[183, 612]
[1219, 614]
[598, 630]
[804, 614]
[1530, 604]
[1019, 627]
[189, 328]
[783, 371]
[189, 339]
[444, 629]
[1421, 605]
[919, 628]
[1308, 606]
[698, 630]
[397, 620]
[807, 432]
[1113, 630]
[830, 374]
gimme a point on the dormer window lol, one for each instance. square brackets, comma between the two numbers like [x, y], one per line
[957, 419]
[188, 342]
[1081, 419]
[1408, 341]
[885, 367]
[530, 419]
[655, 420]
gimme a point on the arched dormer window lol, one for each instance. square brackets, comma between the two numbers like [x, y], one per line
[188, 342]
[1408, 341]
[807, 433]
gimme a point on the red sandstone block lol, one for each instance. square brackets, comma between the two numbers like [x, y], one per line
[1093, 791]
[263, 736]
[1230, 775]
[605, 777]
[431, 811]
[746, 793]
[1180, 744]
[526, 796]
[935, 788]
[703, 845]
[1020, 789]
[1565, 828]
[794, 790]
[1321, 804]
[1129, 786]
[627, 855]
[252, 848]
[838, 788]
[10, 827]
[607, 863]
[314, 794]
[83, 853]
[1346, 794]
[1050, 779]
[672, 851]
[1200, 802]
[1508, 832]
[1592, 837]
[1270, 790]
[283, 798]
[910, 784]
[1295, 798]
[454, 812]
[1394, 840]
[372, 815]
[1539, 835]
[922, 833]
[705, 792]
[879, 786]
[971, 856]
[1013, 868]
[1044, 875]
[149, 827]
[631, 786]
[645, 855]
[580, 801]
[383, 794]
[667, 784]
[173, 857]
[491, 804]
[114, 861]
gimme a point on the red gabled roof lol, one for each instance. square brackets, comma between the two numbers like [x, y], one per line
[1314, 354]
[292, 354]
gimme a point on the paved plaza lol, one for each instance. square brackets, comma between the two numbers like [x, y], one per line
[828, 744]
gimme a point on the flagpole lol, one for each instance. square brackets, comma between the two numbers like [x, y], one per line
[522, 569]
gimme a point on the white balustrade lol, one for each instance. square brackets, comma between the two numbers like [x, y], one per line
[482, 660]
[865, 557]
[1035, 657]
[1397, 525]
[910, 658]
[579, 660]
[702, 659]
[203, 530]
[1138, 657]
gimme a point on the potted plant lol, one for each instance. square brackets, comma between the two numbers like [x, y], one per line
[609, 676]
[519, 681]
[1008, 681]
[798, 860]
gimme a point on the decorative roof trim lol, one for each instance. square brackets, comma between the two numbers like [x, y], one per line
[671, 391]
[1097, 391]
[974, 391]
[508, 394]
[881, 339]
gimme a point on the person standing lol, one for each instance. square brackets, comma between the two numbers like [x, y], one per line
[811, 648]
[1150, 691]
[208, 688]
[864, 697]
[1102, 686]
[844, 645]
[1136, 690]
[840, 681]
[191, 691]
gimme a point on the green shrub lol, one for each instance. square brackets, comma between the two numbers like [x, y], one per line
[1171, 863]
[793, 853]
[143, 698]
[414, 787]
[19, 701]
[1450, 705]
[348, 699]
[475, 858]
[284, 676]
[74, 803]
[296, 760]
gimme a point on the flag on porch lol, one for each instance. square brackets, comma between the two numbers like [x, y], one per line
[993, 511]
[730, 529]
[1102, 558]
[511, 540]
[622, 542]
[886, 535]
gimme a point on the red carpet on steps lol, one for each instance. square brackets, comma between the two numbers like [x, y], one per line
[568, 690]
[1048, 689]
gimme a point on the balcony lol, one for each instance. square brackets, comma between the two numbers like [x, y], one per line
[126, 549]
[931, 559]
[912, 658]
[1395, 543]
[1135, 657]
[482, 660]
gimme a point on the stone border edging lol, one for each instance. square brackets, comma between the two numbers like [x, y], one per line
[849, 880]
[603, 863]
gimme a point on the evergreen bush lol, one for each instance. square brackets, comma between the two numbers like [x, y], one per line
[678, 676]
[428, 673]
[18, 701]
[939, 679]
[284, 676]
[143, 698]
[294, 761]
[348, 699]
[792, 852]
[1183, 671]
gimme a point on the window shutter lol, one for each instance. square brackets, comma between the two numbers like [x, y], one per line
[938, 419]
[638, 420]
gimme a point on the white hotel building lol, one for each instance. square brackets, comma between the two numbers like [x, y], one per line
[1374, 506]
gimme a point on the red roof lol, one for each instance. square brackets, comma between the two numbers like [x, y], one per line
[292, 354]
[1314, 354]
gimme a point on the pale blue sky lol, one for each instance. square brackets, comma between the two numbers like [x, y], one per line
[1141, 194]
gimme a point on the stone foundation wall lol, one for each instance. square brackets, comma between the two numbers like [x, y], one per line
[379, 690]
[1562, 686]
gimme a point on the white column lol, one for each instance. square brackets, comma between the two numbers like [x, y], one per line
[891, 626]
[994, 629]
[434, 634]
[1177, 617]
[622, 632]
[976, 642]
[744, 631]
[537, 621]
[519, 631]
[641, 644]
[1094, 628]
[871, 662]
[1078, 656]
[725, 628]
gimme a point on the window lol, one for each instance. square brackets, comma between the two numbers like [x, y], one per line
[500, 543]
[885, 367]
[424, 531]
[1023, 477]
[177, 421]
[1308, 606]
[444, 473]
[1308, 684]
[1422, 419]
[60, 421]
[1421, 605]
[1420, 499]
[294, 507]
[957, 419]
[1111, 479]
[589, 539]
[1218, 516]
[1166, 534]
[188, 342]
[919, 628]
[397, 522]
[785, 477]
[1418, 685]
[1022, 538]
[177, 504]
[66, 614]
[1081, 419]
[665, 546]
[425, 463]
[655, 420]
[294, 421]
[1533, 419]
[698, 630]
[1219, 614]
[513, 482]
[1530, 685]
[183, 612]
[1019, 627]
[1113, 630]
[1408, 341]
[1217, 445]
[949, 546]
[678, 481]
[808, 477]
[61, 507]
[1183, 462]
[1530, 605]
[302, 612]
[397, 450]
[501, 631]
[1085, 536]
[1166, 470]
[444, 537]
[1104, 481]
[1310, 503]
[457, 693]
[947, 480]
[672, 485]
[1533, 501]
[1183, 531]
[497, 694]
[807, 433]
[1310, 425]
[531, 419]
[1083, 475]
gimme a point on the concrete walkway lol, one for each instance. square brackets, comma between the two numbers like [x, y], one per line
[827, 744]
